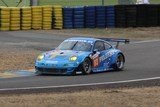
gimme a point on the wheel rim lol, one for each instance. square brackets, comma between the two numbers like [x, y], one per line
[87, 66]
[120, 62]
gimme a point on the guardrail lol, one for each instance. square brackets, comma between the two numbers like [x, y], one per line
[58, 17]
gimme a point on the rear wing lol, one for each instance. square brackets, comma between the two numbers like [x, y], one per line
[126, 41]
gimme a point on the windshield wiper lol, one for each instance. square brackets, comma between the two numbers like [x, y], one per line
[74, 45]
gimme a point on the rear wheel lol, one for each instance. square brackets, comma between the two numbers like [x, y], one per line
[119, 65]
[86, 66]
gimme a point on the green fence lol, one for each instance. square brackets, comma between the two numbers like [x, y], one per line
[14, 3]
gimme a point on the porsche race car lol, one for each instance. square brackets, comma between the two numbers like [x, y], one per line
[82, 55]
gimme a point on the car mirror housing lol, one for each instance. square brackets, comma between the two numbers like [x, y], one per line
[95, 51]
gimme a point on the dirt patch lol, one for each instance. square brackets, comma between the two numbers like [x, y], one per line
[137, 97]
[130, 33]
[17, 59]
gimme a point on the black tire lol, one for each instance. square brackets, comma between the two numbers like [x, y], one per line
[39, 73]
[73, 73]
[86, 66]
[119, 65]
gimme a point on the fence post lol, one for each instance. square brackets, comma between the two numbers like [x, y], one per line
[102, 2]
[34, 2]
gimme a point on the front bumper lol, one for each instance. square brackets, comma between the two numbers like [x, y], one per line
[50, 70]
[55, 67]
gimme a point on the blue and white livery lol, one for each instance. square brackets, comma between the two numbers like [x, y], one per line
[82, 55]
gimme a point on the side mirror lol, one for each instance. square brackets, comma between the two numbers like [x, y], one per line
[95, 51]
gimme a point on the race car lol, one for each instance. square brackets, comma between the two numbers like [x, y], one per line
[82, 55]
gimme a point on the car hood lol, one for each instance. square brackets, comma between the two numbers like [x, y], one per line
[65, 55]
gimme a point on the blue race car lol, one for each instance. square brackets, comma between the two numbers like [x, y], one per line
[82, 55]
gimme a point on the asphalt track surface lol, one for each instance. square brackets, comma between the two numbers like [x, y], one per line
[142, 61]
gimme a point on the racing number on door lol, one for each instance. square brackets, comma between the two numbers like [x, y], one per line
[96, 62]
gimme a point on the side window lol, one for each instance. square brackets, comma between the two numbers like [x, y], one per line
[99, 45]
[107, 46]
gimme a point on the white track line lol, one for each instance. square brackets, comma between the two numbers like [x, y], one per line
[79, 85]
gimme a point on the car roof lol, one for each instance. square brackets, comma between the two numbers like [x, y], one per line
[84, 38]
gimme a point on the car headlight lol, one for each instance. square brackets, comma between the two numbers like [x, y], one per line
[73, 58]
[40, 57]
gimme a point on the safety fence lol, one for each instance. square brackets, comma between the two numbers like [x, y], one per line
[15, 3]
[58, 17]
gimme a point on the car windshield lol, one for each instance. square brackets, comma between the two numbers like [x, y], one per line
[75, 45]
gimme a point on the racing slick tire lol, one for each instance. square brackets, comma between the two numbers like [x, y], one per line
[86, 66]
[119, 65]
[39, 73]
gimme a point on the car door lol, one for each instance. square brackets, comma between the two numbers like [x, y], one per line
[99, 58]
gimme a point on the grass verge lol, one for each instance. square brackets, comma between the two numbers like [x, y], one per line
[85, 2]
[137, 97]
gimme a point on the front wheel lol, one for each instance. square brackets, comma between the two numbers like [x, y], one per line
[119, 65]
[86, 66]
[38, 73]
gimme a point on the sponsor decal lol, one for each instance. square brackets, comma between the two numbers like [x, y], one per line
[106, 55]
[97, 59]
[89, 41]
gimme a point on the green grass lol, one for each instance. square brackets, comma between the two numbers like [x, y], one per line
[84, 2]
[155, 1]
[67, 2]
[77, 2]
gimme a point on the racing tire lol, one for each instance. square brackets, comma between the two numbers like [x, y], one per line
[38, 73]
[73, 73]
[119, 65]
[86, 66]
